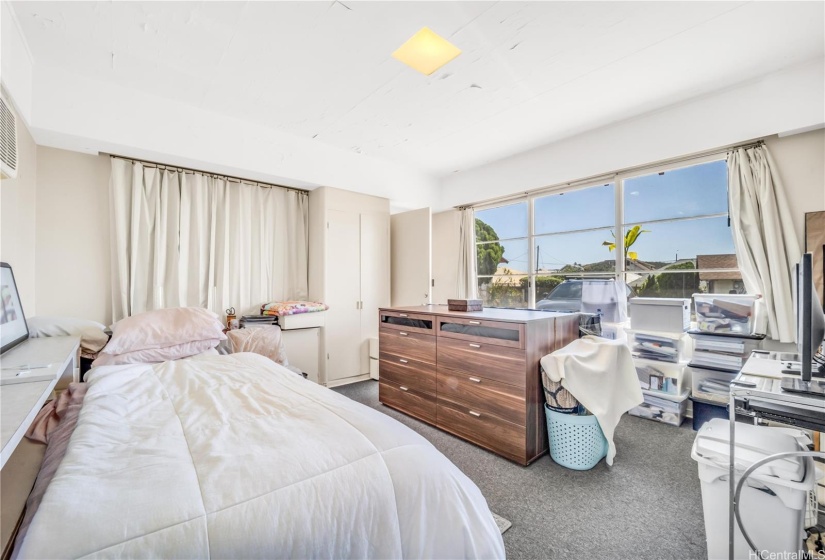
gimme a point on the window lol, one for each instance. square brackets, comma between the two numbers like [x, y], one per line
[674, 222]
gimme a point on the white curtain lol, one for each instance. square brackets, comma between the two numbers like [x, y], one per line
[763, 234]
[467, 266]
[190, 239]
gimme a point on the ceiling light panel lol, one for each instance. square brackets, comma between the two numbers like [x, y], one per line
[426, 51]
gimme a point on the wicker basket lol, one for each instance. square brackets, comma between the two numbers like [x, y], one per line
[558, 398]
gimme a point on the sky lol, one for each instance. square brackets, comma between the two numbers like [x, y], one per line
[681, 193]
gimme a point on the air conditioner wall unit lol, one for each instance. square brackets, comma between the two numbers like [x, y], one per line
[8, 140]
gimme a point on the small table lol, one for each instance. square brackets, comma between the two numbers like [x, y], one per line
[21, 401]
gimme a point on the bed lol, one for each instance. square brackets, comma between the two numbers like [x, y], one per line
[237, 457]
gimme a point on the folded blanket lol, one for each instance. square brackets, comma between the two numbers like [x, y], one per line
[67, 408]
[282, 308]
[54, 411]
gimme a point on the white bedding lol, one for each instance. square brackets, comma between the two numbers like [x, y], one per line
[236, 457]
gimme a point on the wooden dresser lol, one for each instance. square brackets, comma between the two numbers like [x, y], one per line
[473, 374]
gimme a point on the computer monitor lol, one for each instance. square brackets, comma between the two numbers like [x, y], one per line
[810, 317]
[13, 327]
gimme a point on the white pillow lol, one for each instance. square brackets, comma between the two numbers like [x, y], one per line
[157, 355]
[91, 333]
[163, 328]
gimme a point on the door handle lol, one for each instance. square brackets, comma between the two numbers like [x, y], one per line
[475, 322]
[403, 361]
[402, 314]
[476, 414]
[403, 388]
[402, 333]
[475, 380]
[475, 345]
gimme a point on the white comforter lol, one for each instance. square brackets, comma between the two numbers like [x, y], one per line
[236, 457]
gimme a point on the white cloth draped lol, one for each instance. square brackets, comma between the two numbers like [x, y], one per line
[467, 287]
[600, 374]
[763, 235]
[190, 239]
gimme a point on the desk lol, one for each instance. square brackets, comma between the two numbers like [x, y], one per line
[20, 402]
[767, 375]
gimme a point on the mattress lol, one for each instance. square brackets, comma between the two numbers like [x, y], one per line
[236, 457]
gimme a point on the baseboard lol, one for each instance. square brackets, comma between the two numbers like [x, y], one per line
[348, 380]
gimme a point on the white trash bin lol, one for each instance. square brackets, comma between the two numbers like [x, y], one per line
[772, 503]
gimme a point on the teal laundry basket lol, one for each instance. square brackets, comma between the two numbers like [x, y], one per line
[576, 442]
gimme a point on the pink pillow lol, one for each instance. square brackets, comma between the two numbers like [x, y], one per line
[156, 355]
[162, 328]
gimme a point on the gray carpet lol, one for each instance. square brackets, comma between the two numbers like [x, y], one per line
[648, 505]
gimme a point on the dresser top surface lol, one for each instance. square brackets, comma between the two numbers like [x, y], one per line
[489, 313]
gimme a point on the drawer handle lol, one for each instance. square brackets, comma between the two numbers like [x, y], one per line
[402, 333]
[402, 360]
[475, 322]
[475, 380]
[476, 414]
[403, 388]
[402, 314]
[475, 345]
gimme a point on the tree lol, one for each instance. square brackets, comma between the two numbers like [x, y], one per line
[489, 254]
[630, 238]
[681, 285]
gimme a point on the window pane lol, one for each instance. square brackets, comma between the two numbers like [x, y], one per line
[689, 191]
[666, 284]
[502, 257]
[661, 245]
[570, 253]
[504, 222]
[583, 209]
[503, 291]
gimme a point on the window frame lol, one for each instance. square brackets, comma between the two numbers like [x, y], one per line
[618, 179]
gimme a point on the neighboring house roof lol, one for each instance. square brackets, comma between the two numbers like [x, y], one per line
[717, 261]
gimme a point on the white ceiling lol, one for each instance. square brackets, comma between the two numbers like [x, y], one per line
[530, 73]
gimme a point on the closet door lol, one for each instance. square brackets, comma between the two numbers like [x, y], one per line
[343, 273]
[375, 277]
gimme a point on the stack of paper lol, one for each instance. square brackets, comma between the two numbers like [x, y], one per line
[654, 347]
[718, 360]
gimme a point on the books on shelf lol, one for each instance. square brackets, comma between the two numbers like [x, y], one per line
[252, 320]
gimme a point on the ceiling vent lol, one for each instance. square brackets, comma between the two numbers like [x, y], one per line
[8, 141]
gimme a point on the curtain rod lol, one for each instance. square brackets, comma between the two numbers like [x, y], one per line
[158, 165]
[595, 179]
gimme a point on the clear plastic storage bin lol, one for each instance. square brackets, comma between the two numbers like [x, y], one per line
[710, 385]
[660, 408]
[660, 346]
[729, 314]
[661, 377]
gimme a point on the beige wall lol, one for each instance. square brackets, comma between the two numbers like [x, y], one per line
[73, 235]
[445, 240]
[18, 219]
[800, 160]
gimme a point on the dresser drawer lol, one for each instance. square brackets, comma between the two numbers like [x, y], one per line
[483, 429]
[410, 322]
[483, 395]
[420, 405]
[407, 344]
[413, 374]
[499, 333]
[507, 365]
